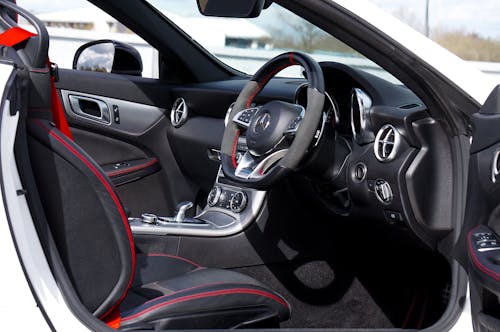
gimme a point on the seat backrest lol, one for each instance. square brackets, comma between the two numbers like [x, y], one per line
[85, 216]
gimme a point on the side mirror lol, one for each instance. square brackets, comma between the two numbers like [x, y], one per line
[108, 56]
[232, 8]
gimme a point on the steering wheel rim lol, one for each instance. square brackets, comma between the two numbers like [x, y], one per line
[303, 135]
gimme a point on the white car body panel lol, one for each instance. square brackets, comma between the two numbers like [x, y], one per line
[464, 322]
[21, 309]
[18, 302]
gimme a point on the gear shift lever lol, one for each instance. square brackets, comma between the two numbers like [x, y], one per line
[182, 207]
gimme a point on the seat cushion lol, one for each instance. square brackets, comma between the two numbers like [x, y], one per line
[172, 292]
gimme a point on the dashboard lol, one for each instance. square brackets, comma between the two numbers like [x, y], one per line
[380, 155]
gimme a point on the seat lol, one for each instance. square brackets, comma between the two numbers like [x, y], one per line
[96, 246]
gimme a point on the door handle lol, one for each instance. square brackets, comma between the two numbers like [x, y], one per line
[90, 108]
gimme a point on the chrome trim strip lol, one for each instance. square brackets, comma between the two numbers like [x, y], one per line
[105, 117]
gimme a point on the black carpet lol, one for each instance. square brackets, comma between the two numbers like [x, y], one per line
[321, 299]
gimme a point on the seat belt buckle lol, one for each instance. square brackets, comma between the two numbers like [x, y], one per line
[54, 71]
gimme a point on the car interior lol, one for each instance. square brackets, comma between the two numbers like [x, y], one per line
[211, 199]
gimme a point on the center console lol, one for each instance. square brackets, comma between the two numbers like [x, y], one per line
[229, 210]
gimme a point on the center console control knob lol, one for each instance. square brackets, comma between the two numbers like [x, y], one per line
[238, 202]
[149, 218]
[213, 196]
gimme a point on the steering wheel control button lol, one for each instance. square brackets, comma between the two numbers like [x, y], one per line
[149, 218]
[293, 126]
[393, 217]
[214, 196]
[359, 172]
[244, 117]
[486, 241]
[383, 191]
[238, 202]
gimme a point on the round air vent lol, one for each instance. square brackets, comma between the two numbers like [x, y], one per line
[387, 143]
[179, 112]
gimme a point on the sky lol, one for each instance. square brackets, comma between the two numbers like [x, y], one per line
[478, 16]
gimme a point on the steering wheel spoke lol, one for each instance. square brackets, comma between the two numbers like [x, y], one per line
[251, 167]
[244, 117]
[246, 165]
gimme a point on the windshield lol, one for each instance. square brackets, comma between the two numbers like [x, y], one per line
[468, 28]
[246, 44]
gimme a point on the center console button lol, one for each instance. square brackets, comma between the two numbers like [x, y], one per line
[214, 196]
[393, 217]
[238, 202]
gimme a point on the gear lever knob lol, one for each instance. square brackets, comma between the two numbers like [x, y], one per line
[182, 207]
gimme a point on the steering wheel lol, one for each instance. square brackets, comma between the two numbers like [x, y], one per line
[277, 133]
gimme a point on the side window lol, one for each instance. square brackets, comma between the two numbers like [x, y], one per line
[72, 24]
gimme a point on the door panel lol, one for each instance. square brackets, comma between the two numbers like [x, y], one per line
[104, 149]
[479, 245]
[131, 143]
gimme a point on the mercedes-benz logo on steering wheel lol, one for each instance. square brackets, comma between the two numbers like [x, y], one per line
[262, 123]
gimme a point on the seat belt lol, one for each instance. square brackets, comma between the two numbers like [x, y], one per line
[17, 35]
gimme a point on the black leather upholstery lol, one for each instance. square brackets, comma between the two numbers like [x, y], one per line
[167, 286]
[92, 234]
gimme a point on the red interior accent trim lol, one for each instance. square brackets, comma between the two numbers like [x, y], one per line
[57, 109]
[209, 294]
[113, 319]
[175, 257]
[186, 290]
[14, 36]
[235, 148]
[115, 199]
[410, 311]
[132, 169]
[262, 83]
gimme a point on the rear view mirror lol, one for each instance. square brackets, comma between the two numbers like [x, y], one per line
[108, 56]
[231, 8]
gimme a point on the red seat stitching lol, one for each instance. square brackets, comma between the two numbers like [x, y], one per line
[188, 289]
[208, 294]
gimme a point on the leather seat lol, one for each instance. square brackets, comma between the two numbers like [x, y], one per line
[95, 243]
